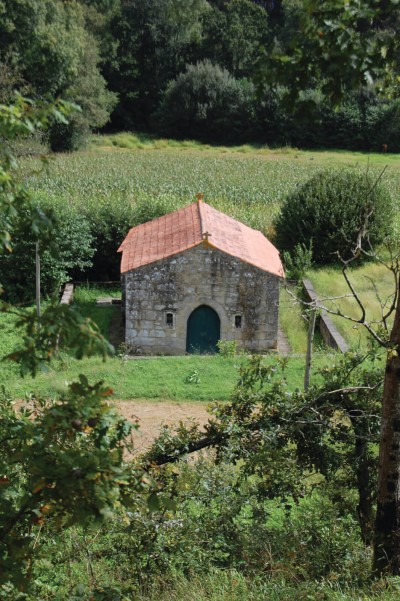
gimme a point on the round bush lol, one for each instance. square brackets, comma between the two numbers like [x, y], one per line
[330, 210]
[207, 103]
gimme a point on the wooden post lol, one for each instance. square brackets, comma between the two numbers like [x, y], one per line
[310, 338]
[38, 283]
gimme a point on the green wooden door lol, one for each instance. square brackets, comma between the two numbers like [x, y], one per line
[203, 330]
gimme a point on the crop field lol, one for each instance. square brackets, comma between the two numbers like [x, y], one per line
[247, 183]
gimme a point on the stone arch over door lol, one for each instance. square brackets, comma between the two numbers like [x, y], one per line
[203, 330]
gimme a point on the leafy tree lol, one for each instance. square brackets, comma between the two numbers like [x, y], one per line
[340, 46]
[207, 103]
[66, 248]
[44, 40]
[233, 36]
[331, 209]
[155, 41]
[98, 15]
[89, 91]
[50, 53]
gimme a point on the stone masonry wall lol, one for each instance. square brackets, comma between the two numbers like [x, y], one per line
[199, 276]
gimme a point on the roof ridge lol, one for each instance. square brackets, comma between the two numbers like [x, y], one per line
[201, 216]
[203, 206]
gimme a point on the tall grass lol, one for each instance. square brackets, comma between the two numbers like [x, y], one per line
[292, 319]
[374, 284]
[230, 585]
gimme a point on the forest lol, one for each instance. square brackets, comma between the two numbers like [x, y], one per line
[285, 114]
[189, 69]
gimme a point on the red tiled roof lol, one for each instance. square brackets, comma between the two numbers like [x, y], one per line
[191, 226]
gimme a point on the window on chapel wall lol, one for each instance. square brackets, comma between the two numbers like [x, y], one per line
[169, 320]
[238, 322]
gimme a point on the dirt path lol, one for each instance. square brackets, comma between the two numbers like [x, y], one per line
[152, 415]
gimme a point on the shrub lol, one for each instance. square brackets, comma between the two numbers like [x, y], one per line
[149, 208]
[68, 250]
[109, 225]
[330, 210]
[207, 103]
[227, 348]
[383, 123]
[298, 262]
[67, 137]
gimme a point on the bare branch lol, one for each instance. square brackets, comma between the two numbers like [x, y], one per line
[339, 313]
[349, 390]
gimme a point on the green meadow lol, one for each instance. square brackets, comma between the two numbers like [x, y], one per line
[186, 378]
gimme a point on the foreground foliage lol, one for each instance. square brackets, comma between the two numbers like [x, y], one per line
[284, 436]
[283, 504]
[60, 462]
[46, 472]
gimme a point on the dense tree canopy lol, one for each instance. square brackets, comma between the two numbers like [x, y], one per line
[116, 59]
[46, 50]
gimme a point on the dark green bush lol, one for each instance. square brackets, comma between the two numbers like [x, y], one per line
[207, 103]
[68, 249]
[109, 225]
[330, 210]
[383, 123]
[67, 137]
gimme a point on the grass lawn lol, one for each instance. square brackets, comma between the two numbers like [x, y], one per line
[185, 378]
[374, 285]
[191, 378]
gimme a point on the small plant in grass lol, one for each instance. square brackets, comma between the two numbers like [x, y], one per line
[193, 377]
[123, 352]
[227, 348]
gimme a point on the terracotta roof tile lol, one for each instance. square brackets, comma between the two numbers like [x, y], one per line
[191, 226]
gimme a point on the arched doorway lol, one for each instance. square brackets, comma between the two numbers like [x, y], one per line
[203, 330]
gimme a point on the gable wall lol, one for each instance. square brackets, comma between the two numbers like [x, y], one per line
[195, 277]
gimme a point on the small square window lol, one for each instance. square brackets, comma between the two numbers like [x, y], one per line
[238, 321]
[169, 319]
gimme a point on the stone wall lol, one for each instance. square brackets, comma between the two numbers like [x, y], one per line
[68, 294]
[327, 328]
[199, 276]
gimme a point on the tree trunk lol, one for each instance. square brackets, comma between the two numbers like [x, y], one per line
[387, 523]
[363, 478]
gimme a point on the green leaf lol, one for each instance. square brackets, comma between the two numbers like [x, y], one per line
[153, 502]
